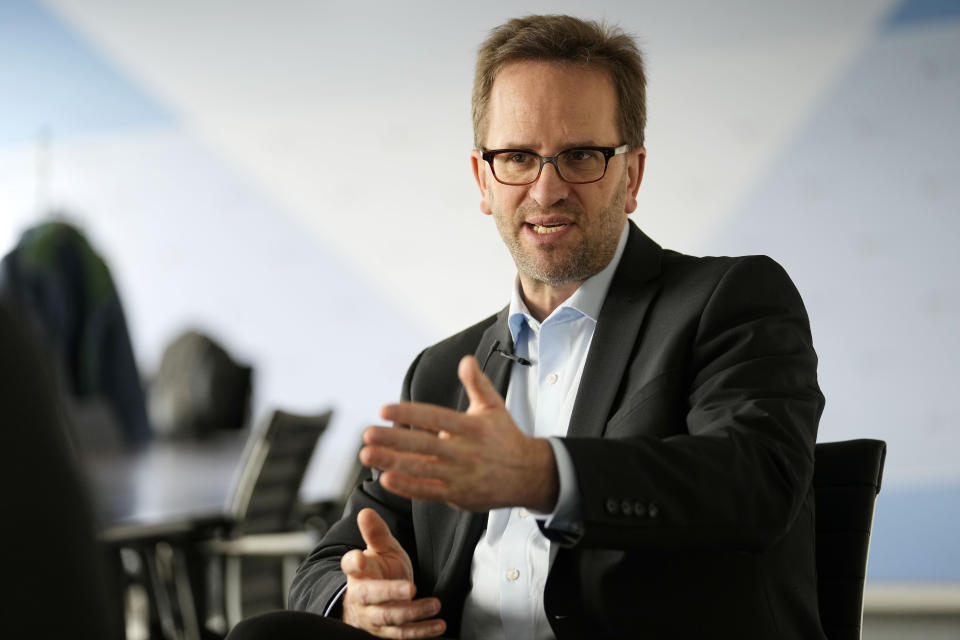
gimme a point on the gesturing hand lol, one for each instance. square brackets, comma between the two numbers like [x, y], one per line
[380, 589]
[478, 460]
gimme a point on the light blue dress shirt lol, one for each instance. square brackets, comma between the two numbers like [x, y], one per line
[513, 558]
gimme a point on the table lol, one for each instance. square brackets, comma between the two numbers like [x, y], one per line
[155, 503]
[167, 485]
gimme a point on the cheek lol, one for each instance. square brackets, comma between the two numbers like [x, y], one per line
[595, 201]
[505, 201]
[614, 201]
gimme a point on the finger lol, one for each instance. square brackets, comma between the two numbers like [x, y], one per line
[389, 460]
[424, 629]
[369, 592]
[354, 563]
[392, 614]
[408, 440]
[479, 389]
[375, 532]
[411, 464]
[426, 489]
[423, 415]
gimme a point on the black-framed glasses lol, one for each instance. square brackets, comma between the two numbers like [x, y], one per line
[579, 165]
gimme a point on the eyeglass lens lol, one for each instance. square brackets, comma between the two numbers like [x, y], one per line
[574, 165]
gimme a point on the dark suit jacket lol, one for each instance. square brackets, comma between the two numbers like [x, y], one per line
[692, 438]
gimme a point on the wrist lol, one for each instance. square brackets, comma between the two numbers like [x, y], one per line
[544, 480]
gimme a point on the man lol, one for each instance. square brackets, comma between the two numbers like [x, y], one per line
[626, 450]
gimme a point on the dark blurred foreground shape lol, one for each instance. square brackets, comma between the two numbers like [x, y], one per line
[57, 581]
[64, 291]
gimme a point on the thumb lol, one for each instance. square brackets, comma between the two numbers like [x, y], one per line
[376, 534]
[479, 389]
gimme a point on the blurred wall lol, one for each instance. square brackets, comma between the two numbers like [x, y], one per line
[292, 177]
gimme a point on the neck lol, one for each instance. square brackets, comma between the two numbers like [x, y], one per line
[541, 298]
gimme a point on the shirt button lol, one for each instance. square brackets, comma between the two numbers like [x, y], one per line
[523, 513]
[552, 378]
[513, 574]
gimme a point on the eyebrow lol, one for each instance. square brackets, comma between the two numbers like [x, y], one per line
[564, 147]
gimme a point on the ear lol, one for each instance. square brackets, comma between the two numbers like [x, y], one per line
[635, 164]
[480, 175]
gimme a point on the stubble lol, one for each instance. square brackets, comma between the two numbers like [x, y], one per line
[555, 265]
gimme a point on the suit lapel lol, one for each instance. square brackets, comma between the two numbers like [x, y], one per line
[635, 285]
[497, 368]
[633, 288]
[470, 526]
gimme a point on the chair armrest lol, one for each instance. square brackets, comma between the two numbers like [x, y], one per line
[291, 543]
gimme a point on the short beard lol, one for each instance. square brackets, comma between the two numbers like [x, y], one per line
[584, 261]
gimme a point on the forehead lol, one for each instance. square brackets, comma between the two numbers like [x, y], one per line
[547, 106]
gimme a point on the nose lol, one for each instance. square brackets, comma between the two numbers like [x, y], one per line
[549, 188]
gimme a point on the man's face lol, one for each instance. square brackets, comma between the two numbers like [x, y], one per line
[557, 232]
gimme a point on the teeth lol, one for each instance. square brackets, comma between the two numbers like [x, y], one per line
[544, 230]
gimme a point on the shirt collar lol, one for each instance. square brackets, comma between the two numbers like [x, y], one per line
[585, 301]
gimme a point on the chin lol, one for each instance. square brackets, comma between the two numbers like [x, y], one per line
[554, 275]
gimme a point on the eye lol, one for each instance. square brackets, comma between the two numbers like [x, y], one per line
[582, 155]
[517, 157]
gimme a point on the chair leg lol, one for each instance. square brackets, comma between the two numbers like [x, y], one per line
[184, 595]
[232, 590]
[157, 574]
[171, 592]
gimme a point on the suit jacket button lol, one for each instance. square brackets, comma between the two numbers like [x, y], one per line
[613, 506]
[626, 507]
[653, 510]
[639, 509]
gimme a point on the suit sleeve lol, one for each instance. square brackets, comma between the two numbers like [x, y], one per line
[318, 583]
[744, 414]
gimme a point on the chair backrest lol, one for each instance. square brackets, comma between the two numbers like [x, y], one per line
[846, 482]
[266, 491]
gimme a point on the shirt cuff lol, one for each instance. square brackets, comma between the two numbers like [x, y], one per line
[567, 515]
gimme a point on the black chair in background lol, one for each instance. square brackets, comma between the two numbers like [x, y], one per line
[265, 541]
[846, 482]
[191, 361]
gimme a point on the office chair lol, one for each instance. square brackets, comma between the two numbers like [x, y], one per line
[846, 481]
[262, 546]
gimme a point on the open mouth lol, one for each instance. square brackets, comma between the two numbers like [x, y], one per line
[544, 229]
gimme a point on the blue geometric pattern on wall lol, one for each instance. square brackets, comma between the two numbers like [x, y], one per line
[915, 535]
[860, 207]
[916, 12]
[51, 79]
[860, 204]
[198, 244]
